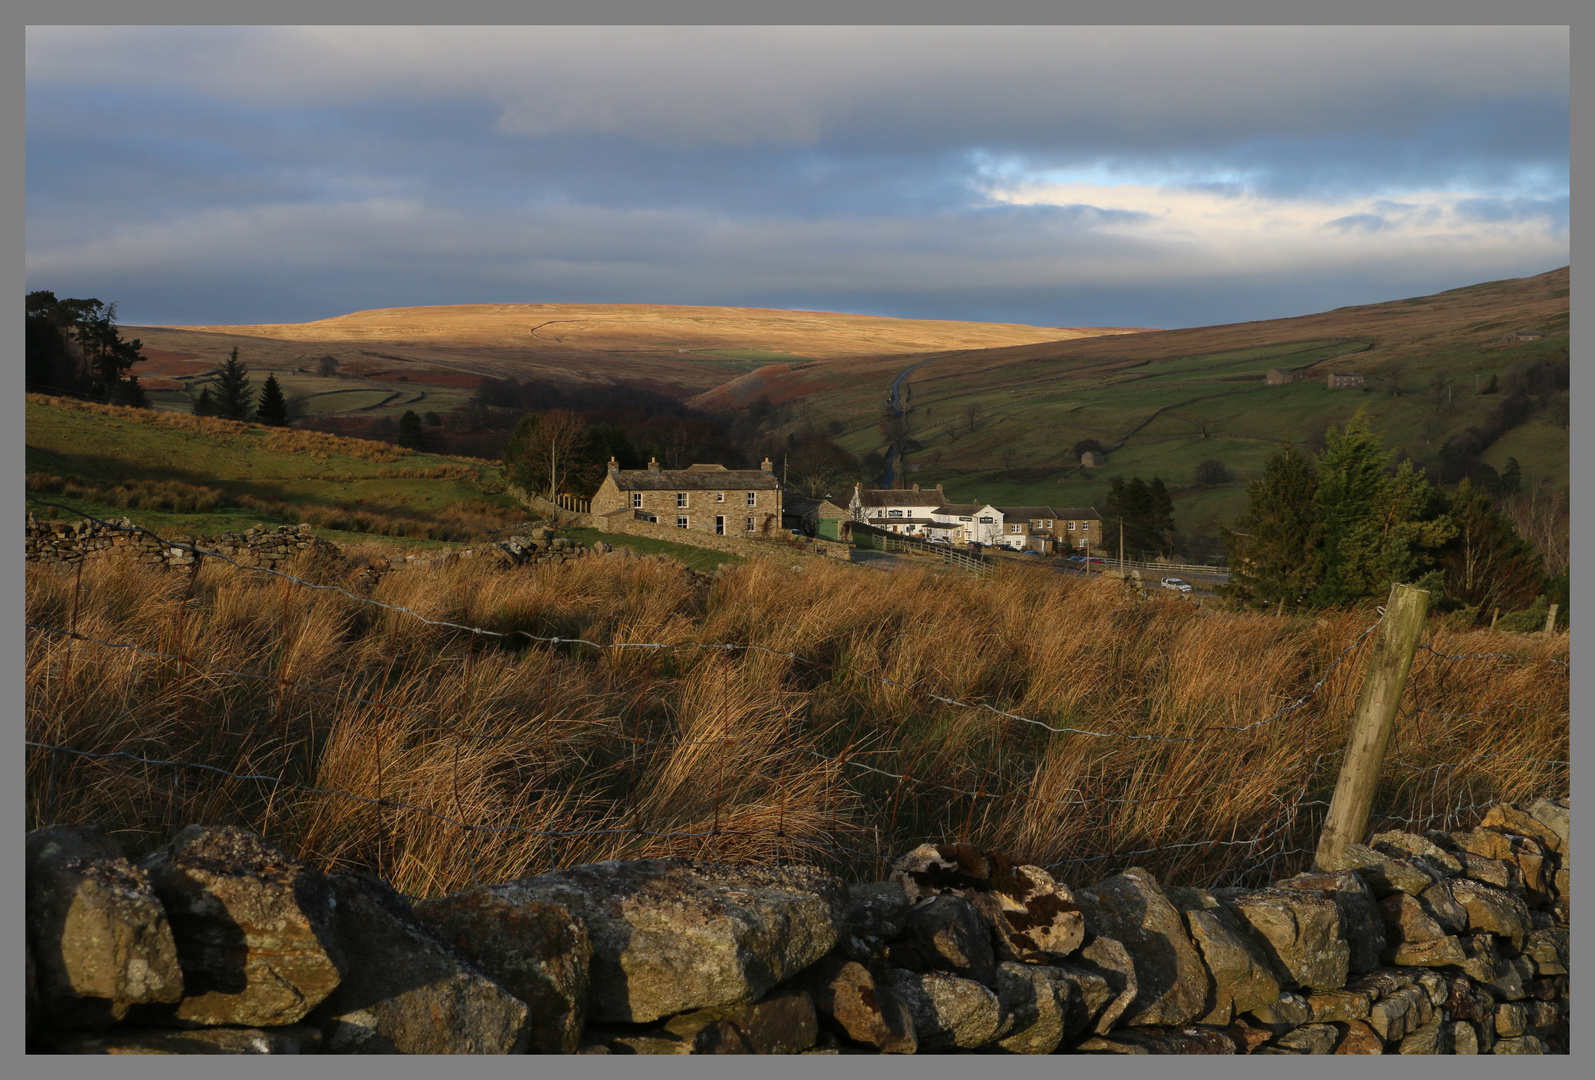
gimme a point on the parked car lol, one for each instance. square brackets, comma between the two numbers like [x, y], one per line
[1028, 551]
[1093, 559]
[940, 541]
[1176, 584]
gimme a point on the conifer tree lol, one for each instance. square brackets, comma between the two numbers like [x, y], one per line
[233, 394]
[205, 404]
[273, 409]
[1350, 474]
[1273, 548]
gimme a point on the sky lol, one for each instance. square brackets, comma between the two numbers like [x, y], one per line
[1056, 176]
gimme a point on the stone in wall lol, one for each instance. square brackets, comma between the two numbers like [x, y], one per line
[253, 927]
[98, 938]
[1362, 924]
[1299, 930]
[670, 936]
[875, 914]
[406, 991]
[536, 950]
[946, 933]
[1032, 917]
[948, 1011]
[1173, 983]
[1244, 978]
[849, 999]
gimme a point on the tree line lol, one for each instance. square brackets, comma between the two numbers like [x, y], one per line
[72, 346]
[1345, 524]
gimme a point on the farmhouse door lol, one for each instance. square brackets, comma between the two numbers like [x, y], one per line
[719, 526]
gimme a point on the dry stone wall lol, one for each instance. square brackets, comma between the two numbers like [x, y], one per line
[1440, 943]
[52, 541]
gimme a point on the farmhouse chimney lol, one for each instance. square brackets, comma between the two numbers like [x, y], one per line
[767, 467]
[653, 465]
[614, 466]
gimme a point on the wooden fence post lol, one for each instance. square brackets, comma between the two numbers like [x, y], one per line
[1386, 677]
[1550, 618]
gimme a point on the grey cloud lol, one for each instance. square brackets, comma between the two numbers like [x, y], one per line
[908, 86]
[389, 253]
[1364, 223]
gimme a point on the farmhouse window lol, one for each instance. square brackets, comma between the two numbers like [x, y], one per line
[1071, 526]
[750, 524]
[681, 498]
[753, 498]
[681, 522]
[636, 500]
[719, 496]
[1014, 527]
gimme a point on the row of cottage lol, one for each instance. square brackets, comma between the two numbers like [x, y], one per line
[715, 499]
[927, 515]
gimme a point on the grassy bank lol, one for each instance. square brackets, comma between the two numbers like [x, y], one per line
[174, 472]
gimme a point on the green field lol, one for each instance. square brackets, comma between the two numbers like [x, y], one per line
[1162, 402]
[264, 476]
[700, 559]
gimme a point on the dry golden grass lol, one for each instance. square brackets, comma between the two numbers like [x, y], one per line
[746, 755]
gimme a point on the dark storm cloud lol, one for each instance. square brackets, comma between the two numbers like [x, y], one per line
[276, 174]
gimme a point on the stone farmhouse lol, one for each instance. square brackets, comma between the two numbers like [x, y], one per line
[1279, 377]
[1337, 381]
[702, 498]
[1049, 530]
[1093, 459]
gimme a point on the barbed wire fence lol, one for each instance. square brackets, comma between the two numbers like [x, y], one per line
[877, 826]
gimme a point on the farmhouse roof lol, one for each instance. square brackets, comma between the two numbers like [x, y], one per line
[884, 497]
[1078, 513]
[803, 504]
[954, 509]
[697, 478]
[1027, 512]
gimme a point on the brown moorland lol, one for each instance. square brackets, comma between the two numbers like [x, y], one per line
[687, 349]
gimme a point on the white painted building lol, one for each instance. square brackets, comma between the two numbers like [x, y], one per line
[963, 523]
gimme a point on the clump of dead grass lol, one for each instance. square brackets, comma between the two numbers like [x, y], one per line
[835, 739]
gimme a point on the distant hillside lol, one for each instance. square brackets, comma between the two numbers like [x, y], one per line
[678, 350]
[999, 423]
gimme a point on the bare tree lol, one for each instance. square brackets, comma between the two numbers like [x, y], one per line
[1542, 519]
[972, 416]
[543, 450]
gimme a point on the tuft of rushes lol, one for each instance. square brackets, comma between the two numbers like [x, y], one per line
[741, 754]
